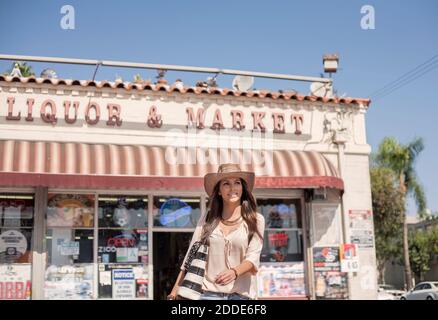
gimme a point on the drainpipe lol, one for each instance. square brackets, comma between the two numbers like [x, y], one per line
[340, 140]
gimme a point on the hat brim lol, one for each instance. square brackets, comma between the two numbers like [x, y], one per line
[211, 179]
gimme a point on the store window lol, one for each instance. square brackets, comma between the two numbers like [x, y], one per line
[123, 253]
[281, 272]
[16, 231]
[283, 230]
[176, 212]
[69, 244]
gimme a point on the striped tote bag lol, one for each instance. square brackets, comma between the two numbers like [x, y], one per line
[191, 286]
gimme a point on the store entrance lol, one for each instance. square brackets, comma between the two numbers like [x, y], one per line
[169, 251]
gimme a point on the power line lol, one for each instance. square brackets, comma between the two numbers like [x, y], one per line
[425, 66]
[402, 84]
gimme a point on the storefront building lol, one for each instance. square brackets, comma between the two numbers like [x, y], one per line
[101, 186]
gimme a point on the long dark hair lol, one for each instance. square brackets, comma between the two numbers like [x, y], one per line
[216, 206]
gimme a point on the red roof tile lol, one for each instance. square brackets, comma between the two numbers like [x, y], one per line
[162, 86]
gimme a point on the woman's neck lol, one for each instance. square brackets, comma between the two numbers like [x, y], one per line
[231, 211]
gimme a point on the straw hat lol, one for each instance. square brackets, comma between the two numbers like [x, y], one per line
[226, 171]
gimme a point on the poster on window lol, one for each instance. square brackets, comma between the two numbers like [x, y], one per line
[15, 283]
[69, 282]
[16, 212]
[13, 247]
[106, 280]
[69, 248]
[281, 280]
[70, 210]
[123, 284]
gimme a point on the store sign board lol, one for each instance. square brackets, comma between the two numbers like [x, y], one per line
[123, 284]
[15, 281]
[55, 110]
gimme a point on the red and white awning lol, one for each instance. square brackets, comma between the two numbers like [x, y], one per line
[107, 166]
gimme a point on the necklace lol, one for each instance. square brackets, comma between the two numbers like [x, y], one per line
[231, 222]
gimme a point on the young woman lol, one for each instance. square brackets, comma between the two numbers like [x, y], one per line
[234, 231]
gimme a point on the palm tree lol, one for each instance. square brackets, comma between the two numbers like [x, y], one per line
[400, 158]
[25, 69]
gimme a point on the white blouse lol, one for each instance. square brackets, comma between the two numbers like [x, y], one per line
[229, 251]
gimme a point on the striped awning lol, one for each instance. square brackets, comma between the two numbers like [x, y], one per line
[108, 166]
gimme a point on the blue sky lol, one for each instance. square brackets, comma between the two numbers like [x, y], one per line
[270, 36]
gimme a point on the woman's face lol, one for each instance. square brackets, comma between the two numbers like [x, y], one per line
[230, 189]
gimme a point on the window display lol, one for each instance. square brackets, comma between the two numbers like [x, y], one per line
[173, 212]
[70, 247]
[123, 212]
[280, 213]
[282, 246]
[116, 246]
[283, 233]
[16, 226]
[123, 253]
[16, 231]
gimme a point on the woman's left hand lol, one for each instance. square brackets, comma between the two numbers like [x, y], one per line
[225, 277]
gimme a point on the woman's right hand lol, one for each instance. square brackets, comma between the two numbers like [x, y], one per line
[172, 295]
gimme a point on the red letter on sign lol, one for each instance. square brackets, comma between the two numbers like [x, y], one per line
[154, 119]
[258, 124]
[298, 119]
[95, 106]
[67, 111]
[9, 292]
[238, 122]
[19, 290]
[199, 118]
[49, 117]
[114, 111]
[30, 103]
[217, 121]
[11, 101]
[278, 122]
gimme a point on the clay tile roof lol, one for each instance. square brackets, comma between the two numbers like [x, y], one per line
[163, 86]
